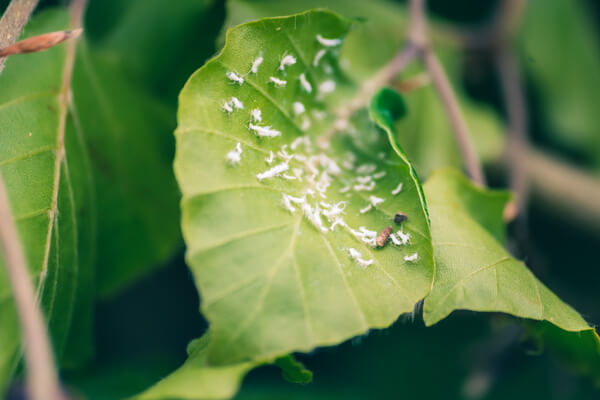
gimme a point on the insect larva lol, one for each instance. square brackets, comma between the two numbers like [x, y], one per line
[384, 236]
[400, 218]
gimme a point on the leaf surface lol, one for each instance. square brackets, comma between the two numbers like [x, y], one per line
[273, 274]
[473, 270]
[50, 196]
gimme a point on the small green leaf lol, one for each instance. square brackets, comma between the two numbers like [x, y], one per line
[473, 270]
[275, 274]
[293, 370]
[196, 380]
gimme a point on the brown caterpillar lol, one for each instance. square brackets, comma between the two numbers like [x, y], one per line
[39, 43]
[383, 236]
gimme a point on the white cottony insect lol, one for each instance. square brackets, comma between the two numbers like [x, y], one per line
[314, 216]
[397, 190]
[366, 169]
[232, 76]
[412, 257]
[364, 179]
[276, 170]
[298, 141]
[298, 108]
[235, 156]
[265, 131]
[318, 57]
[395, 239]
[298, 173]
[278, 82]
[375, 200]
[356, 256]
[326, 87]
[345, 189]
[334, 210]
[404, 237]
[365, 209]
[269, 159]
[329, 42]
[287, 60]
[256, 64]
[305, 83]
[289, 177]
[336, 222]
[236, 103]
[256, 115]
[288, 200]
[365, 187]
[305, 123]
[227, 107]
[379, 175]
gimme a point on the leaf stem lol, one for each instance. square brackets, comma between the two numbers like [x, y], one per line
[14, 19]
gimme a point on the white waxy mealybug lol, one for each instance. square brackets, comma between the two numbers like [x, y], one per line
[375, 200]
[364, 187]
[277, 82]
[336, 222]
[235, 156]
[256, 64]
[275, 171]
[289, 177]
[288, 200]
[326, 87]
[318, 57]
[232, 76]
[404, 237]
[356, 256]
[379, 175]
[329, 42]
[395, 240]
[265, 131]
[345, 189]
[412, 257]
[364, 179]
[305, 123]
[397, 190]
[366, 169]
[365, 209]
[298, 108]
[271, 157]
[314, 216]
[227, 107]
[233, 103]
[287, 60]
[305, 83]
[256, 115]
[300, 140]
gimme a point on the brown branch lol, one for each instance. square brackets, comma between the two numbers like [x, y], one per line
[418, 36]
[14, 19]
[39, 43]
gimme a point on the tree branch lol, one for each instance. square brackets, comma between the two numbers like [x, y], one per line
[14, 19]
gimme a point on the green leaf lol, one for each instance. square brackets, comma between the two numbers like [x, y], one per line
[293, 370]
[198, 380]
[50, 196]
[271, 281]
[130, 145]
[564, 64]
[426, 134]
[473, 270]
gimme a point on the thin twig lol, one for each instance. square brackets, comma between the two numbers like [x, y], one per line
[14, 19]
[418, 36]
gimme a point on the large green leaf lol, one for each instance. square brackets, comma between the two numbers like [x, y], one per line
[131, 149]
[197, 380]
[473, 270]
[126, 179]
[564, 63]
[273, 274]
[426, 134]
[51, 197]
